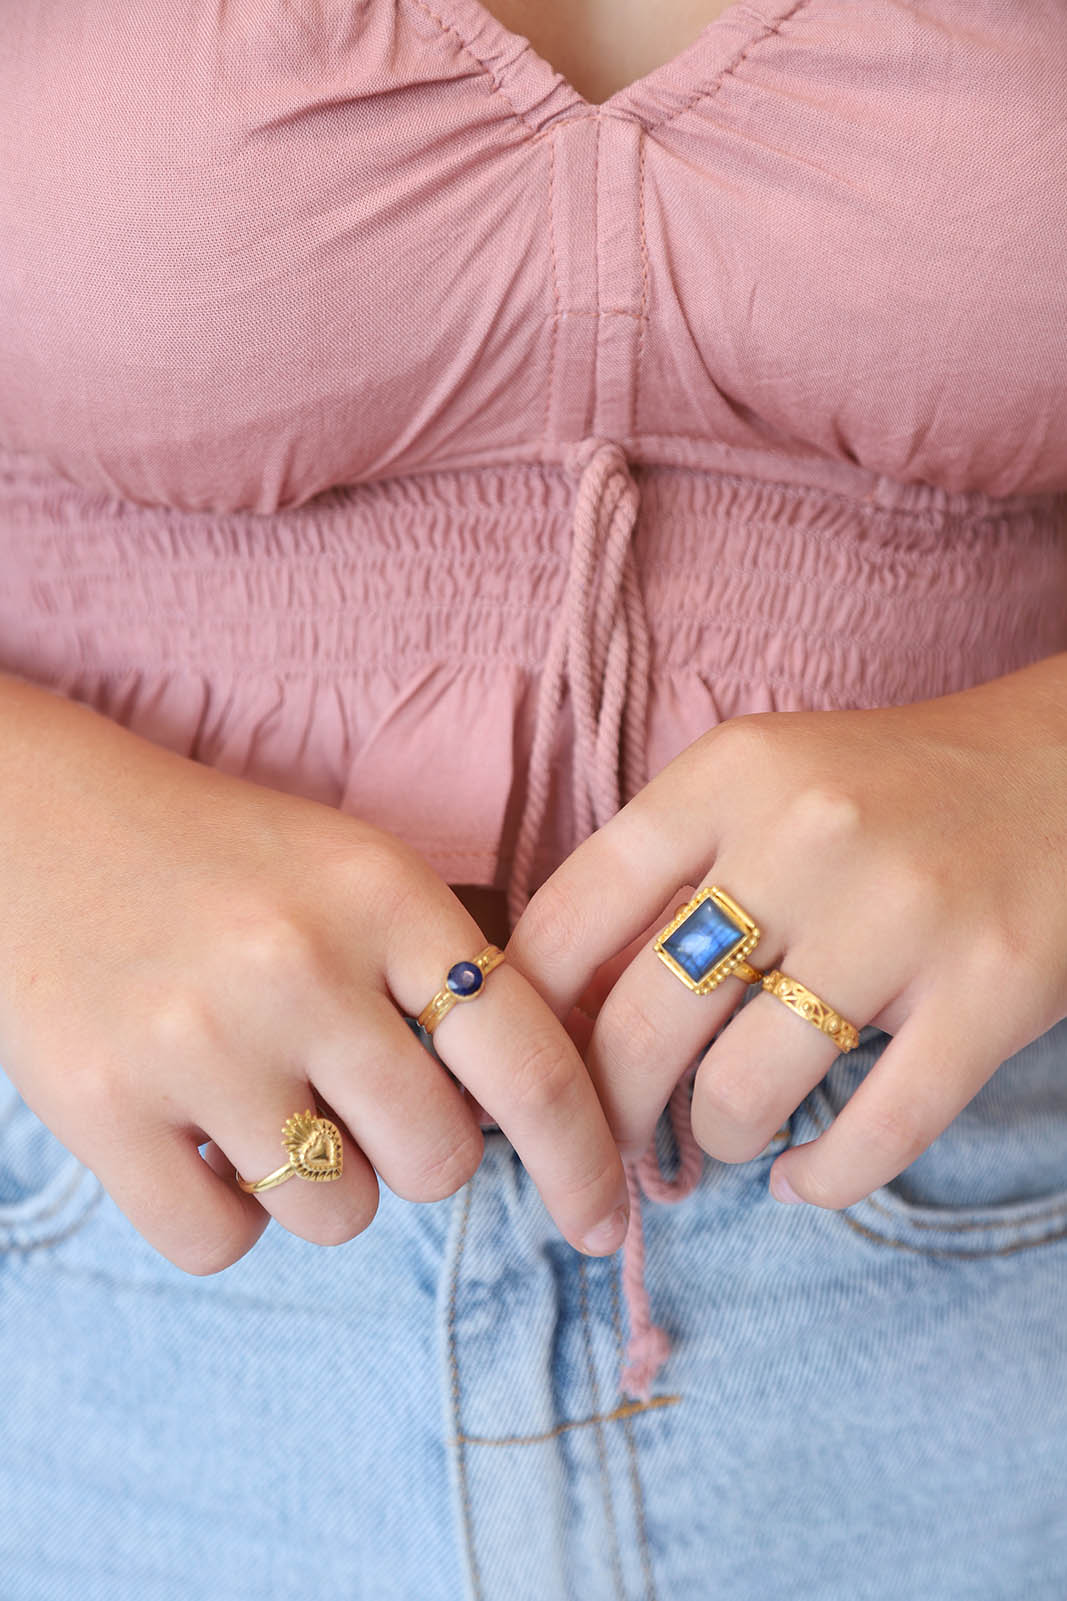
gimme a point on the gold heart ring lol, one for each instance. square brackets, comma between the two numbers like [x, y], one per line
[315, 1152]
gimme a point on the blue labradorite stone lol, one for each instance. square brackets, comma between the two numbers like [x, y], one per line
[465, 978]
[703, 939]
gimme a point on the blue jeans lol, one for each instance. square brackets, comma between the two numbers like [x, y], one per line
[864, 1405]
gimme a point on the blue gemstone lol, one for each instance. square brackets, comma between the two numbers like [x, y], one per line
[706, 936]
[465, 978]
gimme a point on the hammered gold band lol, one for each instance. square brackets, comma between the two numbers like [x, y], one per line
[463, 982]
[709, 939]
[315, 1152]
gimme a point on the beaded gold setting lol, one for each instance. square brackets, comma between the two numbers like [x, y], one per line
[732, 961]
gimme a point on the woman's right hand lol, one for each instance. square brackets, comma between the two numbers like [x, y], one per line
[187, 956]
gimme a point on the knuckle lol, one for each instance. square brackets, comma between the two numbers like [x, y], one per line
[733, 1100]
[737, 739]
[382, 872]
[345, 1221]
[629, 1032]
[824, 813]
[994, 955]
[544, 1077]
[449, 1167]
[179, 1024]
[201, 1258]
[101, 1091]
[271, 948]
[892, 1132]
[552, 920]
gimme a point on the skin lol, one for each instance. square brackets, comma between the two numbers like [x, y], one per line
[908, 864]
[600, 46]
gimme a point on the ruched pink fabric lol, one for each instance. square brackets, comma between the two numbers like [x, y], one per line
[382, 421]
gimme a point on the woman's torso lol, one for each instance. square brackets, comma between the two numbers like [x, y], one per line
[300, 361]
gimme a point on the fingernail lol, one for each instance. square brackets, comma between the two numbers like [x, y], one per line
[609, 1235]
[781, 1188]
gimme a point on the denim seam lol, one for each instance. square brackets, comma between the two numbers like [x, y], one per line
[9, 1233]
[601, 1450]
[1054, 1212]
[957, 1256]
[457, 1387]
[631, 1450]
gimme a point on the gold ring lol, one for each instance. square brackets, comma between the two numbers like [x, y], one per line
[464, 982]
[806, 1004]
[315, 1152]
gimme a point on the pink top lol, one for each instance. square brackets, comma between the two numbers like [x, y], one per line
[383, 421]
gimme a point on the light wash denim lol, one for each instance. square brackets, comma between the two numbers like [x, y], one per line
[864, 1405]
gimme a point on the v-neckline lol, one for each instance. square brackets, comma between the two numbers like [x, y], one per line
[544, 94]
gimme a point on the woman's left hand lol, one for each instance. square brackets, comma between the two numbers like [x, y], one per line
[908, 864]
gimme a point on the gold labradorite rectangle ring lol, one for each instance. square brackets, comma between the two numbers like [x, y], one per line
[706, 939]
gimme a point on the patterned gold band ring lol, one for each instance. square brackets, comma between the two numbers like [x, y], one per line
[710, 937]
[806, 1004]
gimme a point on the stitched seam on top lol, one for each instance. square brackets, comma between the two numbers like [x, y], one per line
[643, 314]
[587, 107]
[1041, 506]
[550, 386]
[497, 87]
[728, 70]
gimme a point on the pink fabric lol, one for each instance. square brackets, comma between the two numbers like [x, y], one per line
[382, 421]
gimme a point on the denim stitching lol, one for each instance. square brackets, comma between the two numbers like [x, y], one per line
[10, 1243]
[459, 1438]
[635, 1478]
[605, 1481]
[627, 1410]
[1055, 1211]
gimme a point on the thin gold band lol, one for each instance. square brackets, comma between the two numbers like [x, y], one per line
[315, 1152]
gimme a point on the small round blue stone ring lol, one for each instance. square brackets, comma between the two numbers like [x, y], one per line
[463, 982]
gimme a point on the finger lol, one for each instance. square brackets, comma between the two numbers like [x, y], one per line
[249, 1126]
[401, 1106]
[618, 881]
[768, 1057]
[923, 1079]
[186, 1210]
[647, 1032]
[507, 1047]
